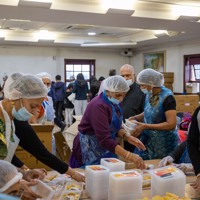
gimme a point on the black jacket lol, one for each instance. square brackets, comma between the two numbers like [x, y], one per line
[31, 143]
[193, 142]
[133, 103]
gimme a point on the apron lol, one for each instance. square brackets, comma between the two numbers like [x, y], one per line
[158, 143]
[185, 157]
[92, 152]
[12, 140]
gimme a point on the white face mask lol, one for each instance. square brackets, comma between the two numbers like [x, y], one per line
[129, 82]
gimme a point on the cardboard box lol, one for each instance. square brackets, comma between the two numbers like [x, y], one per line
[70, 133]
[186, 103]
[62, 148]
[44, 132]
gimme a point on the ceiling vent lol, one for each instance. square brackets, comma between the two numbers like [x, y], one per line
[127, 53]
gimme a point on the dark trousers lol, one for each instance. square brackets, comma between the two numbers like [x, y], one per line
[59, 110]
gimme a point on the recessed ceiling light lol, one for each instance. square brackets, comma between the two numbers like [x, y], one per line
[91, 33]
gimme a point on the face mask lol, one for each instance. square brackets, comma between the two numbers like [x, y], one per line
[22, 114]
[145, 91]
[48, 89]
[114, 101]
[129, 82]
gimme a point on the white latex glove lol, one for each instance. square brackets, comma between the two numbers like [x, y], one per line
[166, 161]
[185, 167]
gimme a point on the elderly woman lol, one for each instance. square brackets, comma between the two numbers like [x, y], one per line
[100, 125]
[23, 95]
[158, 130]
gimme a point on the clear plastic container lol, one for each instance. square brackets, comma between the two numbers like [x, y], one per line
[132, 196]
[96, 181]
[44, 190]
[127, 129]
[125, 183]
[130, 124]
[70, 195]
[113, 164]
[168, 179]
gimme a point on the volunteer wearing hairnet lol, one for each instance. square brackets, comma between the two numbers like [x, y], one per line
[23, 95]
[157, 131]
[11, 182]
[100, 125]
[46, 110]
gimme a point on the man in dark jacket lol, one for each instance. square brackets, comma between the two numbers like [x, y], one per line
[133, 103]
[60, 90]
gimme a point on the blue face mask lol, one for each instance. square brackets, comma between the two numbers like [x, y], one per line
[22, 114]
[114, 101]
[145, 91]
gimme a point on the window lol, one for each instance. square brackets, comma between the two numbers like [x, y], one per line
[195, 72]
[75, 66]
[192, 72]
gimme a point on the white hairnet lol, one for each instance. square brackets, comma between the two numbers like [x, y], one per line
[8, 175]
[150, 77]
[19, 86]
[115, 84]
[44, 75]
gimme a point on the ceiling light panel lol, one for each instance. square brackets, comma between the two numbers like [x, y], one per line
[120, 11]
[36, 3]
[9, 3]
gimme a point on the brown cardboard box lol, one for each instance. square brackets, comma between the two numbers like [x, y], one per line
[44, 132]
[62, 149]
[186, 103]
[70, 133]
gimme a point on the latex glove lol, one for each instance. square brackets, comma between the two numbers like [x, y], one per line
[166, 161]
[136, 142]
[34, 174]
[185, 167]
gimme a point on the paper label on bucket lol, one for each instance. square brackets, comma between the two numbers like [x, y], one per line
[125, 174]
[111, 160]
[97, 168]
[166, 172]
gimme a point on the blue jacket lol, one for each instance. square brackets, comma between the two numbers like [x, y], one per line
[60, 90]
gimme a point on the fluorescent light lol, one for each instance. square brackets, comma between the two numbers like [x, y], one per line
[117, 4]
[159, 33]
[2, 34]
[120, 11]
[91, 33]
[186, 11]
[36, 3]
[107, 44]
[44, 35]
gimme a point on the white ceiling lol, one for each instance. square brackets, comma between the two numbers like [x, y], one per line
[131, 25]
